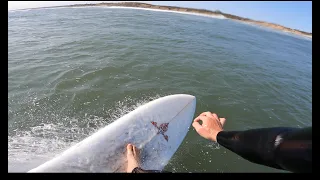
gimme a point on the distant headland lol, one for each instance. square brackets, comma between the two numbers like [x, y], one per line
[196, 11]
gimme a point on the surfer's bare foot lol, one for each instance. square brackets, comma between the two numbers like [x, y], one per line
[133, 157]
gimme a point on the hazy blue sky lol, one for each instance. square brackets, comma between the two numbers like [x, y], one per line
[293, 14]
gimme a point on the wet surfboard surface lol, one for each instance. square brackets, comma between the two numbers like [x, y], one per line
[157, 128]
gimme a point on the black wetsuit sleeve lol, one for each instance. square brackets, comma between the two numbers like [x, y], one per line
[282, 148]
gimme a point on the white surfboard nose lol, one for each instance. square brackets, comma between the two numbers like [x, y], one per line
[187, 99]
[182, 97]
[191, 97]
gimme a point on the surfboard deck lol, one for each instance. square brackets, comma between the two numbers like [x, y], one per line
[157, 128]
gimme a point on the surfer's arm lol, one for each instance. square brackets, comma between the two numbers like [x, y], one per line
[282, 148]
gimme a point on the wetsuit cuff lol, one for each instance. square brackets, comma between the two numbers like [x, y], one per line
[219, 135]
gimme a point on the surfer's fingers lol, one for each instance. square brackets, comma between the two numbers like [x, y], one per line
[215, 116]
[222, 121]
[205, 113]
[200, 130]
[196, 125]
[196, 119]
[208, 114]
[201, 118]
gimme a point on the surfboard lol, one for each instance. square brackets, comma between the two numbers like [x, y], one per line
[156, 128]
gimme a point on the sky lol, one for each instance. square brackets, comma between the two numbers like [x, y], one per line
[292, 14]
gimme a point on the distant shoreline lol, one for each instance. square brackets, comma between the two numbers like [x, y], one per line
[203, 12]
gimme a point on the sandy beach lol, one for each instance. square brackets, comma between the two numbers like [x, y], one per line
[160, 10]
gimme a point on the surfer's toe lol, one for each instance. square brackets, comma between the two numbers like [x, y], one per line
[133, 157]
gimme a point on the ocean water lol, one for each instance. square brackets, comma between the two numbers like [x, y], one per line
[72, 71]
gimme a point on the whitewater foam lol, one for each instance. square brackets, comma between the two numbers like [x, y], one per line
[28, 149]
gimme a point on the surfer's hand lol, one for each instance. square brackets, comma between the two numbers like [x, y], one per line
[211, 125]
